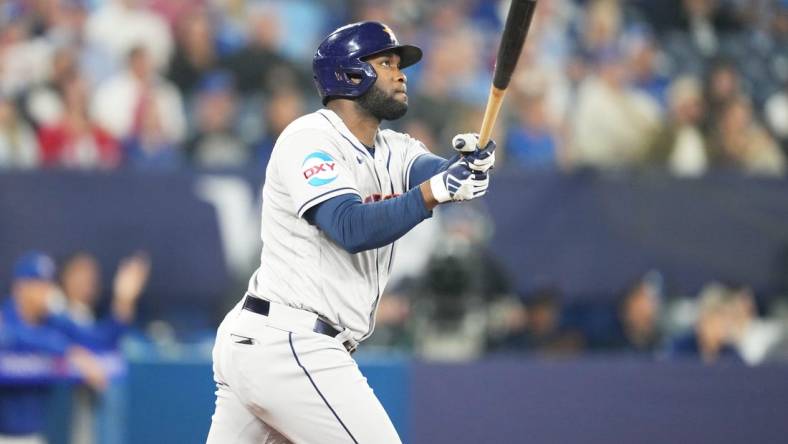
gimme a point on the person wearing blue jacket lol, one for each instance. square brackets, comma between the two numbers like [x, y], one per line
[28, 328]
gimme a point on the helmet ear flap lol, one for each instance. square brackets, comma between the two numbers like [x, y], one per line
[358, 77]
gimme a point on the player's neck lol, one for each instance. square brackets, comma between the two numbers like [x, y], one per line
[362, 124]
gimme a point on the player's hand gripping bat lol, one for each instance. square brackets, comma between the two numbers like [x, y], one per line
[514, 31]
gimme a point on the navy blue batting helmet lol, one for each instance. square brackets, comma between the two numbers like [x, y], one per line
[340, 58]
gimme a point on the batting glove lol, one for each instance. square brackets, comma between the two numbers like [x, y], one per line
[459, 182]
[480, 159]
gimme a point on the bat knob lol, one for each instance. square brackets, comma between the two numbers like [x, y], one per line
[465, 143]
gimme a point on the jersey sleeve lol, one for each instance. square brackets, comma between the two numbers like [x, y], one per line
[312, 169]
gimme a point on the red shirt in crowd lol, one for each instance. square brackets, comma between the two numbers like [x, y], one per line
[63, 146]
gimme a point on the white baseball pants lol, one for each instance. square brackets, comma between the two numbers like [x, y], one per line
[280, 382]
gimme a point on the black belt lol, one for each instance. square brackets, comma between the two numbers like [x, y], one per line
[262, 307]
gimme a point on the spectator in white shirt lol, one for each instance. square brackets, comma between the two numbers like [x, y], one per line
[120, 25]
[118, 103]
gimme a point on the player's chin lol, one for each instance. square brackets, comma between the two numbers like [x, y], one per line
[398, 111]
[394, 109]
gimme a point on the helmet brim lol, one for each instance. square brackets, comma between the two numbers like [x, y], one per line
[408, 54]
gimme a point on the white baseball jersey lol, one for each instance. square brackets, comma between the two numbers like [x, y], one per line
[315, 159]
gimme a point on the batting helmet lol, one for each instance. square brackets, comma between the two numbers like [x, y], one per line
[340, 58]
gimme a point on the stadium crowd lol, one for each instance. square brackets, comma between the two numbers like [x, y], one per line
[680, 85]
[685, 85]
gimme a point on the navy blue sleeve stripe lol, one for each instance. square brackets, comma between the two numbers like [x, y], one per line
[311, 201]
[325, 401]
[359, 227]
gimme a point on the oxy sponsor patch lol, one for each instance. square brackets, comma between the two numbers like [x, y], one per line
[319, 169]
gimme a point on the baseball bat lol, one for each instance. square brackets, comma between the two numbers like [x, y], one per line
[518, 21]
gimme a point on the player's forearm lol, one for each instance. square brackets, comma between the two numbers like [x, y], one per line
[358, 227]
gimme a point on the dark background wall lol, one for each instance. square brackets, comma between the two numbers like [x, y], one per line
[589, 235]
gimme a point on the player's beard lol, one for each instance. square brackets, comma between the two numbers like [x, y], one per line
[380, 105]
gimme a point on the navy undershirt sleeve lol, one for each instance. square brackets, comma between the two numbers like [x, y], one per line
[358, 226]
[426, 166]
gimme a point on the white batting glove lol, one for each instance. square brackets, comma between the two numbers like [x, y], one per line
[479, 159]
[459, 182]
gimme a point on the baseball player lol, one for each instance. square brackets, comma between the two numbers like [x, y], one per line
[338, 193]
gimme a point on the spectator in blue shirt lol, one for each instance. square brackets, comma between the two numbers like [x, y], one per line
[532, 141]
[29, 329]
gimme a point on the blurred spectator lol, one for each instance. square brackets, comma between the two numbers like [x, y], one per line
[81, 284]
[723, 84]
[284, 106]
[711, 340]
[457, 285]
[259, 66]
[195, 52]
[549, 37]
[776, 112]
[28, 328]
[392, 323]
[421, 131]
[753, 336]
[43, 103]
[639, 316]
[740, 142]
[704, 20]
[119, 103]
[216, 143]
[119, 26]
[18, 145]
[75, 141]
[150, 147]
[535, 327]
[24, 58]
[532, 140]
[643, 56]
[601, 25]
[172, 11]
[613, 122]
[681, 144]
[434, 105]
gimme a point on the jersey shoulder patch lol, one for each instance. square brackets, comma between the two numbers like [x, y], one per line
[319, 168]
